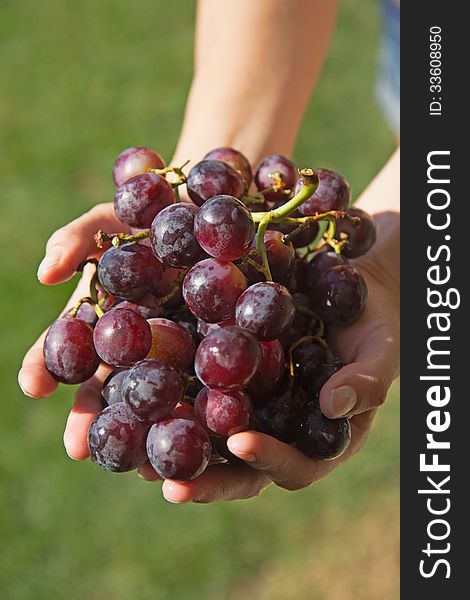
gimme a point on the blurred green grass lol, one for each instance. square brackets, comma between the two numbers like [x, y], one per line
[81, 81]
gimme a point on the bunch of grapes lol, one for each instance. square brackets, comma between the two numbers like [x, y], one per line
[214, 313]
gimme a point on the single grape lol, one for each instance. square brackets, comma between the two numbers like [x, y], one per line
[171, 343]
[266, 309]
[146, 307]
[172, 236]
[327, 370]
[234, 159]
[333, 193]
[321, 263]
[134, 161]
[204, 328]
[301, 270]
[359, 239]
[308, 359]
[340, 295]
[227, 358]
[281, 259]
[304, 237]
[152, 389]
[139, 199]
[129, 271]
[178, 449]
[276, 417]
[69, 353]
[269, 372]
[86, 313]
[224, 228]
[319, 437]
[265, 177]
[223, 413]
[122, 337]
[210, 178]
[116, 439]
[111, 390]
[211, 289]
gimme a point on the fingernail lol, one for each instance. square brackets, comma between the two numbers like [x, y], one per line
[342, 400]
[169, 488]
[23, 389]
[50, 260]
[234, 448]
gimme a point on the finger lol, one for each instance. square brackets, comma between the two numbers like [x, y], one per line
[217, 483]
[34, 379]
[287, 466]
[147, 472]
[72, 244]
[87, 405]
[363, 384]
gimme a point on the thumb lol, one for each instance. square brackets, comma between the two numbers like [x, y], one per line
[359, 386]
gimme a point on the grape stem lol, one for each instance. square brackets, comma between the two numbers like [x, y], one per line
[310, 183]
[179, 175]
[101, 237]
[86, 300]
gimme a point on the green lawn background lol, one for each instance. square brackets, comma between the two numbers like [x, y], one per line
[80, 81]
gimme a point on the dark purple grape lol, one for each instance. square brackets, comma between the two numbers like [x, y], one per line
[172, 236]
[224, 228]
[122, 338]
[171, 343]
[301, 271]
[264, 177]
[281, 256]
[308, 359]
[178, 449]
[138, 200]
[333, 193]
[325, 371]
[304, 237]
[359, 239]
[86, 313]
[223, 413]
[116, 439]
[219, 444]
[210, 178]
[134, 161]
[322, 262]
[234, 159]
[269, 372]
[266, 309]
[211, 289]
[129, 271]
[144, 306]
[227, 358]
[300, 327]
[340, 295]
[111, 390]
[319, 437]
[277, 416]
[152, 389]
[69, 353]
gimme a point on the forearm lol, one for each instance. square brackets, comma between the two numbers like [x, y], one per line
[256, 64]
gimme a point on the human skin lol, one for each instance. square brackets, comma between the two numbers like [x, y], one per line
[254, 99]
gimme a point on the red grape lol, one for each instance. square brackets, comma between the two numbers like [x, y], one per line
[281, 259]
[129, 271]
[305, 236]
[340, 295]
[211, 289]
[210, 178]
[111, 390]
[223, 413]
[172, 236]
[183, 410]
[152, 389]
[122, 337]
[266, 309]
[270, 370]
[224, 228]
[361, 238]
[264, 177]
[116, 439]
[227, 358]
[171, 343]
[178, 449]
[333, 193]
[323, 261]
[319, 437]
[69, 353]
[204, 328]
[141, 307]
[234, 159]
[134, 161]
[86, 313]
[141, 198]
